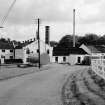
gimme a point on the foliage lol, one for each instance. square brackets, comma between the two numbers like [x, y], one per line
[53, 43]
[86, 61]
[67, 41]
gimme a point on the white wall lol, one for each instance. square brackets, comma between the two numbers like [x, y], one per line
[72, 59]
[7, 53]
[60, 59]
[33, 47]
[98, 66]
[18, 53]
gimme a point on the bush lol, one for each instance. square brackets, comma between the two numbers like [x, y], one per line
[86, 61]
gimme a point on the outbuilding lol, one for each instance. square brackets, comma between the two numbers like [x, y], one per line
[70, 55]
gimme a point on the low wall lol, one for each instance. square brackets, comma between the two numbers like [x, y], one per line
[98, 65]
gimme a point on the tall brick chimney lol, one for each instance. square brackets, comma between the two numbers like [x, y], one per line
[47, 34]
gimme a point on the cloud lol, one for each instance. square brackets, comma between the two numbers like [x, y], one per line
[56, 13]
[25, 11]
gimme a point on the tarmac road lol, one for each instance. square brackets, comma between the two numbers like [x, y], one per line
[40, 88]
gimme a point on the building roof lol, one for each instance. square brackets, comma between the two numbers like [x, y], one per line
[100, 48]
[18, 47]
[67, 51]
[27, 43]
[6, 45]
[96, 48]
[93, 49]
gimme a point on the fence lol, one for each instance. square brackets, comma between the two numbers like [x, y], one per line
[98, 65]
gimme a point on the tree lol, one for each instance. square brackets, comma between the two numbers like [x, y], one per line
[101, 40]
[67, 41]
[53, 43]
[89, 39]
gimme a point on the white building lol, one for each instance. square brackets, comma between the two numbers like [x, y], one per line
[19, 52]
[31, 50]
[68, 55]
[6, 52]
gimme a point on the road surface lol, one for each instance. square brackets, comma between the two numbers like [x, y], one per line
[41, 88]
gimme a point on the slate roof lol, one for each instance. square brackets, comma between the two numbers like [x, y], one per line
[97, 48]
[6, 45]
[59, 51]
[93, 49]
[18, 47]
[100, 48]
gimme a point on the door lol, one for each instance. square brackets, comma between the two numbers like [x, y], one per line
[79, 59]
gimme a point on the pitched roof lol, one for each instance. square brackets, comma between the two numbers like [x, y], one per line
[6, 45]
[67, 51]
[100, 48]
[93, 49]
[18, 47]
[97, 48]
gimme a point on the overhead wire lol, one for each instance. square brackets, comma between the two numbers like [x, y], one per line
[7, 14]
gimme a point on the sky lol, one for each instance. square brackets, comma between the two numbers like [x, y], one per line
[21, 23]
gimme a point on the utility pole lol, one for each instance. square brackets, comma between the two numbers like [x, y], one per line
[39, 40]
[73, 27]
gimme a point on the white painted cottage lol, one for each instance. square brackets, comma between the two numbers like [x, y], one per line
[70, 55]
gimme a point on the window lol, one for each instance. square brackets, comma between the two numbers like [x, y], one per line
[37, 50]
[79, 59]
[3, 50]
[56, 59]
[27, 51]
[11, 50]
[27, 59]
[64, 59]
[2, 56]
[48, 51]
[11, 57]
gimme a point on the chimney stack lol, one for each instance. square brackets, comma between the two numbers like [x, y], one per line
[47, 35]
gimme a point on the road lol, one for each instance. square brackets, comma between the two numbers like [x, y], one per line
[41, 88]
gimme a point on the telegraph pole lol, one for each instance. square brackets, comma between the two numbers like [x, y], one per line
[73, 27]
[39, 40]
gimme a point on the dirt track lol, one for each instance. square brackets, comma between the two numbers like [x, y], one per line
[81, 89]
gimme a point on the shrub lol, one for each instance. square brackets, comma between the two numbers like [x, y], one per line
[86, 61]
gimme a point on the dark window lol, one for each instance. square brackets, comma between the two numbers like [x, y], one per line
[64, 59]
[56, 59]
[2, 56]
[79, 59]
[11, 57]
[48, 51]
[11, 50]
[27, 59]
[37, 50]
[3, 50]
[27, 51]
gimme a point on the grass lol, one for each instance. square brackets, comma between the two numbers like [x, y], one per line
[89, 84]
[11, 71]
